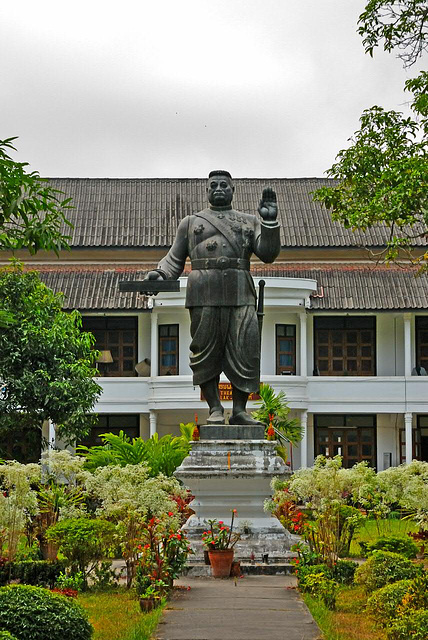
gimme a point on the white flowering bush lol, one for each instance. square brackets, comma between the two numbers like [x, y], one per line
[18, 502]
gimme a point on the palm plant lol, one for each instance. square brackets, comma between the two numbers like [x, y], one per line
[274, 408]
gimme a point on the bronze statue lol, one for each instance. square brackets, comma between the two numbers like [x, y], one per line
[221, 296]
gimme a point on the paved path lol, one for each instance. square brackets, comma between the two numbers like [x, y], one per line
[255, 608]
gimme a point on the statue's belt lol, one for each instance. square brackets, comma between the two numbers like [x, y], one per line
[223, 262]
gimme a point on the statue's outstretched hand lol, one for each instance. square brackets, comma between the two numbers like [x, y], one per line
[153, 275]
[268, 208]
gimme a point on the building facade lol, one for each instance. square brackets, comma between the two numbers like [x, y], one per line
[344, 338]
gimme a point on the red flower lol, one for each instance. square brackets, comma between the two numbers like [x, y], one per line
[170, 513]
[220, 521]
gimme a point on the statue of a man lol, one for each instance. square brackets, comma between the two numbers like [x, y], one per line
[221, 296]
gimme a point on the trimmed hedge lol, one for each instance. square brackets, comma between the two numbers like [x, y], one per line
[38, 573]
[382, 568]
[383, 603]
[34, 613]
[403, 545]
[413, 625]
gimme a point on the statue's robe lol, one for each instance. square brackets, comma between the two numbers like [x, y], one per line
[220, 292]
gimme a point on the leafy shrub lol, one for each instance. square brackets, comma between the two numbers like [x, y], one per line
[74, 581]
[383, 604]
[413, 625]
[405, 546]
[34, 613]
[83, 541]
[344, 571]
[38, 573]
[304, 571]
[5, 635]
[382, 568]
[324, 588]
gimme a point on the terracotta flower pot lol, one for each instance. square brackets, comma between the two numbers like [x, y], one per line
[221, 562]
[147, 604]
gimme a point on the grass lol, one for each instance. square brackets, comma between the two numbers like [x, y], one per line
[116, 615]
[349, 621]
[373, 529]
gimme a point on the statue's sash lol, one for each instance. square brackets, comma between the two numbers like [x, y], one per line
[223, 227]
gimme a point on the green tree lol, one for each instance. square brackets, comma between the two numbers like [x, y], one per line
[31, 211]
[382, 178]
[46, 361]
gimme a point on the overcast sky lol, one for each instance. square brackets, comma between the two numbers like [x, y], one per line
[168, 88]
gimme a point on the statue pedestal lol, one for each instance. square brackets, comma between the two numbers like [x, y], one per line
[229, 469]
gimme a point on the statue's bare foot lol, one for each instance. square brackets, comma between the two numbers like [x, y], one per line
[216, 417]
[244, 418]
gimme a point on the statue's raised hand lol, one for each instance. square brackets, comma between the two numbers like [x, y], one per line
[268, 207]
[153, 275]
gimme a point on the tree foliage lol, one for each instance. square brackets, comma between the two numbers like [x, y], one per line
[46, 361]
[382, 177]
[401, 24]
[31, 211]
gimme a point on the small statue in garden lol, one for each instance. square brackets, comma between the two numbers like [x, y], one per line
[221, 296]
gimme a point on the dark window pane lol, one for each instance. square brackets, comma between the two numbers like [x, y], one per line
[366, 365]
[323, 365]
[169, 345]
[323, 351]
[285, 360]
[366, 449]
[286, 345]
[337, 365]
[351, 352]
[360, 421]
[351, 365]
[337, 352]
[173, 329]
[329, 322]
[424, 336]
[290, 330]
[114, 353]
[337, 436]
[113, 337]
[329, 420]
[366, 336]
[366, 435]
[322, 337]
[366, 352]
[168, 360]
[424, 352]
[128, 365]
[128, 352]
[163, 330]
[352, 436]
[280, 330]
[352, 450]
[337, 337]
[128, 337]
[351, 337]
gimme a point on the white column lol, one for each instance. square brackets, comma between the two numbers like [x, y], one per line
[51, 437]
[303, 345]
[408, 428]
[154, 341]
[304, 441]
[153, 422]
[407, 345]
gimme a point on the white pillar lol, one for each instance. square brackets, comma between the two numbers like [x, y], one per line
[154, 341]
[304, 441]
[409, 444]
[51, 437]
[303, 345]
[153, 422]
[407, 345]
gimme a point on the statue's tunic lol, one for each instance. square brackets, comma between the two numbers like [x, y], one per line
[220, 291]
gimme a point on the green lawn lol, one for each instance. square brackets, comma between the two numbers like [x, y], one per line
[349, 621]
[116, 615]
[372, 529]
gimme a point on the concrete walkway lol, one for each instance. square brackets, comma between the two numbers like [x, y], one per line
[250, 608]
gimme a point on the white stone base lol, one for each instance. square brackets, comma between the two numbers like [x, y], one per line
[235, 474]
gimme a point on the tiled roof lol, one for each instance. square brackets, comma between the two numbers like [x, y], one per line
[145, 212]
[340, 286]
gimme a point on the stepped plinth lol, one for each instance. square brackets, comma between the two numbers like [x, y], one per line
[231, 467]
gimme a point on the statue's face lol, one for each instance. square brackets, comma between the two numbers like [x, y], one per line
[220, 191]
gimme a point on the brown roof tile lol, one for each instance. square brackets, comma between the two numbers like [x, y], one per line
[113, 212]
[340, 286]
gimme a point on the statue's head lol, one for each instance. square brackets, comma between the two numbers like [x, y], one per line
[220, 188]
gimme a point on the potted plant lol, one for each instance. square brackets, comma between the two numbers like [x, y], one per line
[219, 541]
